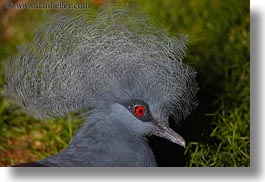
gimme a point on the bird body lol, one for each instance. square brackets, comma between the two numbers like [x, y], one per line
[115, 64]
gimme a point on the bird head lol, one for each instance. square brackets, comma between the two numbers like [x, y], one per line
[82, 61]
[143, 119]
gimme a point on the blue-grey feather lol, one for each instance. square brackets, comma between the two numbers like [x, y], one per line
[111, 137]
[80, 61]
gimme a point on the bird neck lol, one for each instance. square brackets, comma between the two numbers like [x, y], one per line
[101, 143]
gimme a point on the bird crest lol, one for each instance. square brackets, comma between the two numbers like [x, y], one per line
[83, 60]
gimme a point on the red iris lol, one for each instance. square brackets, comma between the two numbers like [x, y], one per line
[139, 111]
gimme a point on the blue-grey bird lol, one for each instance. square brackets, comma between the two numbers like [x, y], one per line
[127, 76]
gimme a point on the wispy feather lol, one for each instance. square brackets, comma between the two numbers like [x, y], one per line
[82, 61]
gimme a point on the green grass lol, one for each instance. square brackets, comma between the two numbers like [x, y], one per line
[218, 131]
[25, 139]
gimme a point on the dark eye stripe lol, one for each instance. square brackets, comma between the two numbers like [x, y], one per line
[138, 109]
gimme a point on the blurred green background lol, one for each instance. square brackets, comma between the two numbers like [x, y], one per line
[217, 132]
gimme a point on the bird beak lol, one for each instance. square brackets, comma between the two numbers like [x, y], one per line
[164, 131]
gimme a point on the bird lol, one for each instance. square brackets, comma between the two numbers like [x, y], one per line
[116, 67]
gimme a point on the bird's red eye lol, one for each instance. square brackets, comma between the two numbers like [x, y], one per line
[139, 111]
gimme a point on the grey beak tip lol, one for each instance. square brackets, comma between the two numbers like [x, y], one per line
[184, 145]
[166, 132]
[181, 143]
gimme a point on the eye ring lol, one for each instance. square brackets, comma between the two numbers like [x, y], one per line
[139, 110]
